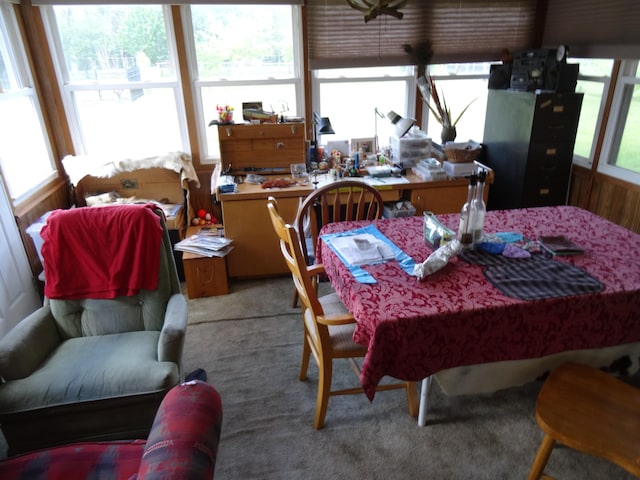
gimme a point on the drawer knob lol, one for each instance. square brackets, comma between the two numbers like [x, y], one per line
[280, 145]
[229, 131]
[294, 129]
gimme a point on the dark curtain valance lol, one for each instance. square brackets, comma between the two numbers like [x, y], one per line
[608, 29]
[460, 31]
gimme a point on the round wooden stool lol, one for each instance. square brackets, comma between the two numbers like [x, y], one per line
[589, 411]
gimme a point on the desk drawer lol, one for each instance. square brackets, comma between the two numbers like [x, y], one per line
[264, 130]
[262, 146]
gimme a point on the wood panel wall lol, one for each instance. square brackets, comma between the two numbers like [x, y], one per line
[606, 196]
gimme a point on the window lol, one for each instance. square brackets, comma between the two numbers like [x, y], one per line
[461, 84]
[350, 97]
[621, 145]
[26, 159]
[593, 82]
[243, 54]
[117, 66]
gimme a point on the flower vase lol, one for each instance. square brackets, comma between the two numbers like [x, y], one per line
[448, 134]
[225, 117]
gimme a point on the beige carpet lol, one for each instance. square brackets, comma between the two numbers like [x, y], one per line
[249, 342]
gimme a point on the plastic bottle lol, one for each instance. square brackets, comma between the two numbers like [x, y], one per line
[465, 235]
[479, 208]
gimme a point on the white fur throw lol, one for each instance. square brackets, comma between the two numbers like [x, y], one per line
[79, 166]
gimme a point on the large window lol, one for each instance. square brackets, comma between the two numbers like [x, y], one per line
[245, 54]
[621, 148]
[26, 160]
[117, 66]
[350, 97]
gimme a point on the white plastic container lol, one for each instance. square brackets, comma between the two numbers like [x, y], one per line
[34, 232]
[409, 149]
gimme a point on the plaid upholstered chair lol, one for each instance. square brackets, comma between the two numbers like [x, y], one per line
[179, 446]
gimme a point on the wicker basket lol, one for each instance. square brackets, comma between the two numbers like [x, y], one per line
[462, 152]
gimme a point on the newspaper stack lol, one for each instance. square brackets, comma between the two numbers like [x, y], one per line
[206, 245]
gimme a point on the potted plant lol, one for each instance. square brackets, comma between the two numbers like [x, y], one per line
[440, 110]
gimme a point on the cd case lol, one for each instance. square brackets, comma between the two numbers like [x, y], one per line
[559, 245]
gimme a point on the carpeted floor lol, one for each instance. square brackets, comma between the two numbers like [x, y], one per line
[249, 343]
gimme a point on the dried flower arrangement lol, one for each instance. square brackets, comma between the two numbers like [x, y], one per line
[440, 110]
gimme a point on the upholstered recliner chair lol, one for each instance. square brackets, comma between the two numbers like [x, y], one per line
[95, 363]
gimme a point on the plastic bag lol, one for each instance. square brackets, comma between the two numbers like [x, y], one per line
[435, 232]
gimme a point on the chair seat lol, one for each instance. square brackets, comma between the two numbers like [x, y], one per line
[592, 412]
[105, 366]
[341, 335]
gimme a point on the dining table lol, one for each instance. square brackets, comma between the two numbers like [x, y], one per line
[480, 307]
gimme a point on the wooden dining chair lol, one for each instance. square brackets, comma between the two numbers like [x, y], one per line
[592, 412]
[337, 201]
[328, 326]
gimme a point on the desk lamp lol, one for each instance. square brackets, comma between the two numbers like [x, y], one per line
[403, 125]
[321, 126]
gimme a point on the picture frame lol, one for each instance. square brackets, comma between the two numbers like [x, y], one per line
[368, 145]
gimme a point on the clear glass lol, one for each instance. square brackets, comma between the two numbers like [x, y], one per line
[124, 47]
[479, 210]
[243, 42]
[589, 114]
[106, 43]
[465, 236]
[592, 80]
[351, 107]
[132, 123]
[26, 161]
[25, 158]
[458, 93]
[628, 149]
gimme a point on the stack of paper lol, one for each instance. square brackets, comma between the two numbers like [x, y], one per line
[362, 249]
[205, 245]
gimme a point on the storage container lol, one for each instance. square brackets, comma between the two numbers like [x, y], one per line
[34, 232]
[411, 148]
[398, 209]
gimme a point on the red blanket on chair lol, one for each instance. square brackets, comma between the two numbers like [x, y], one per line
[101, 252]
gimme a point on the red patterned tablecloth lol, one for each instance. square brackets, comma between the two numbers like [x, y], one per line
[455, 317]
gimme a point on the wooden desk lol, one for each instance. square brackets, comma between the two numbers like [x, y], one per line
[455, 317]
[256, 250]
[205, 276]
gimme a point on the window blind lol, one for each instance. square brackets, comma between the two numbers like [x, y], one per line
[594, 29]
[459, 30]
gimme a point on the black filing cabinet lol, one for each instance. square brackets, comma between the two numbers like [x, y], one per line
[529, 139]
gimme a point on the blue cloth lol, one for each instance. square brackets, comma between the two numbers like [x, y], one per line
[362, 276]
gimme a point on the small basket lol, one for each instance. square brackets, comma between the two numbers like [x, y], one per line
[462, 152]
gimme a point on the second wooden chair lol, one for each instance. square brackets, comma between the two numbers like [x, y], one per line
[328, 326]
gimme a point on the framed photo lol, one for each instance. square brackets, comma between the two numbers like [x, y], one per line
[368, 145]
